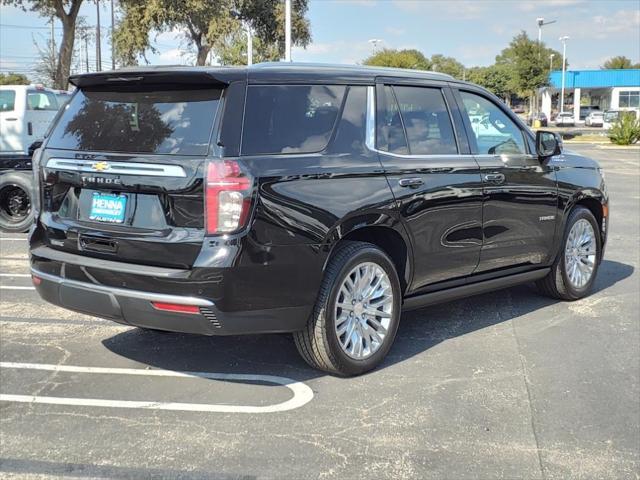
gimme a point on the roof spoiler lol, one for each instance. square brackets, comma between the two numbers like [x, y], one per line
[146, 77]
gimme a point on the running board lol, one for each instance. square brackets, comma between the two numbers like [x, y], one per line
[441, 296]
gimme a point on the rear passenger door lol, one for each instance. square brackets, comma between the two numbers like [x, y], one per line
[520, 192]
[435, 180]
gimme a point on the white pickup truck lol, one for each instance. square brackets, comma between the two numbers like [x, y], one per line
[26, 111]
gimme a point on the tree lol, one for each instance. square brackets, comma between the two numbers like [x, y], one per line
[619, 62]
[232, 50]
[527, 64]
[389, 57]
[57, 8]
[13, 79]
[448, 65]
[206, 23]
[495, 78]
[46, 67]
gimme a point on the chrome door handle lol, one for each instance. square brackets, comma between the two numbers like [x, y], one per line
[494, 177]
[410, 182]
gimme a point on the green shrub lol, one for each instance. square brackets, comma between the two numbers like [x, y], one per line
[626, 130]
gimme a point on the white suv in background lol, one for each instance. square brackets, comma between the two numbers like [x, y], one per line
[25, 114]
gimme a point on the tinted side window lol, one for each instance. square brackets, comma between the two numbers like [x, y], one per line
[7, 100]
[390, 135]
[290, 118]
[495, 133]
[426, 121]
[41, 101]
[350, 133]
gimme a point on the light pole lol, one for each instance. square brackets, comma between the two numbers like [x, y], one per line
[113, 58]
[249, 44]
[374, 45]
[98, 47]
[551, 62]
[542, 23]
[563, 39]
[287, 30]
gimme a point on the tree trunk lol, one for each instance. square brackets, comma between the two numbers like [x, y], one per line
[203, 52]
[65, 55]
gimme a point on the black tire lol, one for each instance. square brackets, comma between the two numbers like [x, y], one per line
[556, 284]
[318, 343]
[16, 212]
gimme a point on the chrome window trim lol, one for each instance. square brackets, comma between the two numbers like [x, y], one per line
[118, 168]
[124, 292]
[370, 134]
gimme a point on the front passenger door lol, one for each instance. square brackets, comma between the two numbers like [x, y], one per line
[520, 193]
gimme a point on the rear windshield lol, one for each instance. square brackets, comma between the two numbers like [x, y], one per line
[159, 122]
[290, 118]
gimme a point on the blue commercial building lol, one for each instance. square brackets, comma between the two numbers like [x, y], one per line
[606, 89]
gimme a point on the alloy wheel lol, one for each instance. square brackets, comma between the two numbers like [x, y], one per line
[580, 253]
[363, 310]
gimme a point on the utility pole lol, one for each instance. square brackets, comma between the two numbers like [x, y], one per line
[85, 37]
[551, 62]
[113, 57]
[287, 30]
[563, 39]
[53, 45]
[98, 52]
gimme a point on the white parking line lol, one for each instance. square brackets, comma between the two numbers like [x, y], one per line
[302, 394]
[2, 239]
[3, 287]
[21, 275]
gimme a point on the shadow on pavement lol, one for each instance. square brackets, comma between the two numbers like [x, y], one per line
[276, 354]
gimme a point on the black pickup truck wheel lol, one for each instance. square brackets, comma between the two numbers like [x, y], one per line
[16, 213]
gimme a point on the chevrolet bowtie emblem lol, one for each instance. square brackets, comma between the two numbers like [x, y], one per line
[100, 166]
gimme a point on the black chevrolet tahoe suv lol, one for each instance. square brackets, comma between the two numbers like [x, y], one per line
[313, 199]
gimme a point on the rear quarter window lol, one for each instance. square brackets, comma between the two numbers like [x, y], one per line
[290, 118]
[7, 100]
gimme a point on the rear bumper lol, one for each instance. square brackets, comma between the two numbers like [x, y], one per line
[135, 308]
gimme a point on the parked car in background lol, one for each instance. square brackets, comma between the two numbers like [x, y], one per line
[539, 116]
[317, 200]
[594, 119]
[565, 119]
[586, 110]
[611, 116]
[518, 109]
[26, 112]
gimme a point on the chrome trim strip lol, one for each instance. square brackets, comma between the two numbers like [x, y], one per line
[124, 292]
[119, 168]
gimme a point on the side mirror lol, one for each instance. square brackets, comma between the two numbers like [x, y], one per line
[548, 144]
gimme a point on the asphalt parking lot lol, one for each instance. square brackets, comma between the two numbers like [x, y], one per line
[504, 385]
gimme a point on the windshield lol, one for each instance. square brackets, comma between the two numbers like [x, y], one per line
[136, 121]
[611, 116]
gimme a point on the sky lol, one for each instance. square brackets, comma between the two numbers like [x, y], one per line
[472, 31]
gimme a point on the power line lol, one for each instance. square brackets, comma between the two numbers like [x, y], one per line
[27, 27]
